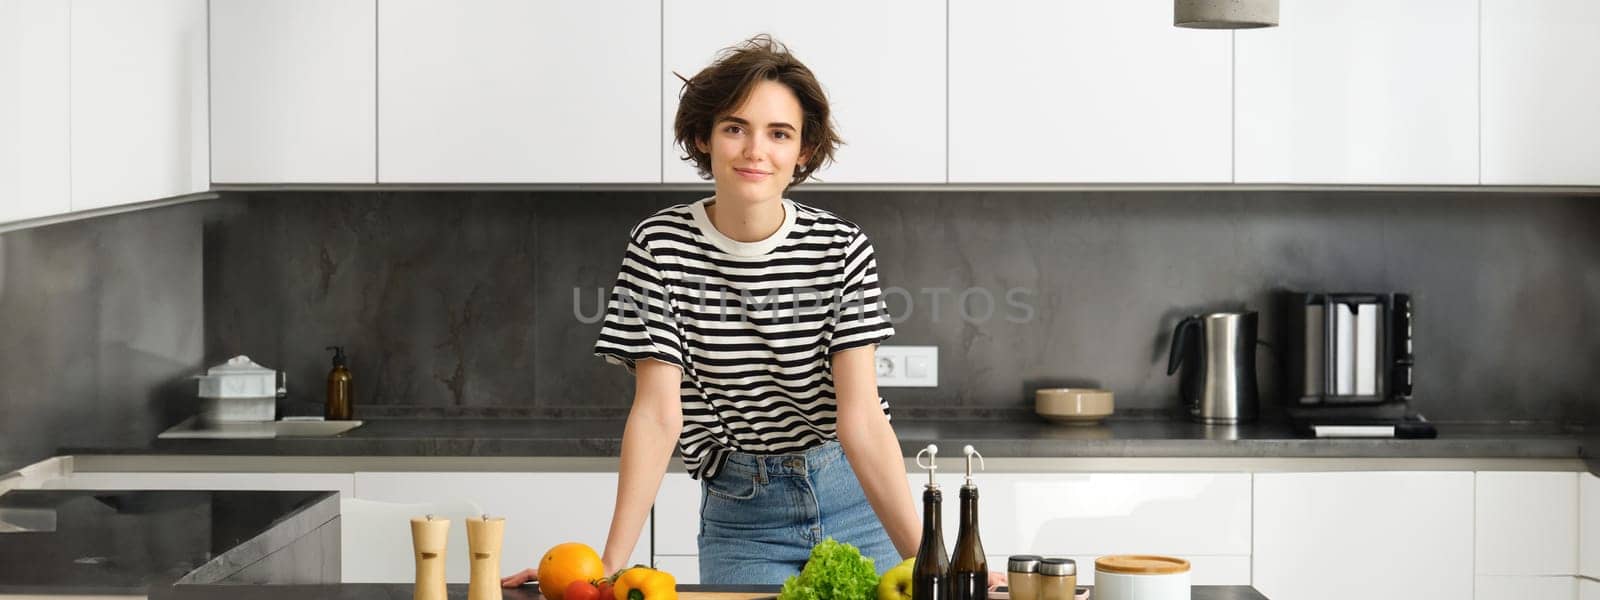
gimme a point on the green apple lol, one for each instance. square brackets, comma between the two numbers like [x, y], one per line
[896, 582]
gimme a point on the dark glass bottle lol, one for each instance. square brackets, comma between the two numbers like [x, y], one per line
[339, 404]
[930, 579]
[969, 570]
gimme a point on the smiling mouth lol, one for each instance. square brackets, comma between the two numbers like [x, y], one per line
[751, 173]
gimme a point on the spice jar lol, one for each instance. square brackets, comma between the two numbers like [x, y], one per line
[1058, 579]
[1022, 576]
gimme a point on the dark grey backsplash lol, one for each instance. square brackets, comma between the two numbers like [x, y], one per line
[102, 323]
[462, 303]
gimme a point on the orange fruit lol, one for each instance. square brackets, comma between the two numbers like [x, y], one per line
[566, 563]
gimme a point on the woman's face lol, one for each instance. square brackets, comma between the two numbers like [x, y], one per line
[754, 149]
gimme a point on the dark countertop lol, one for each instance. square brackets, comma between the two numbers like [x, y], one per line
[996, 438]
[403, 591]
[126, 542]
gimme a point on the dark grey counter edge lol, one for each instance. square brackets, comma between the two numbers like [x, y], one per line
[1032, 439]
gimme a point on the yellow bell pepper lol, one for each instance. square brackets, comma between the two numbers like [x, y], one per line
[645, 583]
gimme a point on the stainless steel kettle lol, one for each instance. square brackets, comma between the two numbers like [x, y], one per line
[1217, 353]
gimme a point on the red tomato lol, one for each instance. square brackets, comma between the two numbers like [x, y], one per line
[582, 590]
[605, 589]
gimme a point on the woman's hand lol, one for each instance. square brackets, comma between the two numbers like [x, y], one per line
[532, 575]
[996, 579]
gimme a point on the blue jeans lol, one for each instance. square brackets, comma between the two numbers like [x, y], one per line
[762, 514]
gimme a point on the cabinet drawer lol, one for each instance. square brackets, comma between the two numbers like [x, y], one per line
[1526, 523]
[677, 516]
[541, 509]
[1181, 514]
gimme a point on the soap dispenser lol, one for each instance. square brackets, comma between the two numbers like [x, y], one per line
[930, 576]
[340, 397]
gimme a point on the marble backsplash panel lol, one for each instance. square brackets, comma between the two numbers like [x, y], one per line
[471, 303]
[102, 324]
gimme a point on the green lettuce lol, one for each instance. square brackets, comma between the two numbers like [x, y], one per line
[835, 571]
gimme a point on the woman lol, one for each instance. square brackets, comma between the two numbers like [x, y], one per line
[749, 322]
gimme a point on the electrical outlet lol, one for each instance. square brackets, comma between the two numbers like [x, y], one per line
[908, 366]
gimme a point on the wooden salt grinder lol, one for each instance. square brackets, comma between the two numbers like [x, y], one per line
[484, 536]
[429, 537]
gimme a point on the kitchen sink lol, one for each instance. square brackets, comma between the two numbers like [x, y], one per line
[310, 428]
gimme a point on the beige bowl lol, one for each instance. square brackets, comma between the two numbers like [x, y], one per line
[1073, 406]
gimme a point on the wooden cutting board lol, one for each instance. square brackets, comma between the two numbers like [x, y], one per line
[724, 595]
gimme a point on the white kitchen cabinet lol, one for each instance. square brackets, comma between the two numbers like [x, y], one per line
[541, 510]
[1397, 535]
[677, 512]
[1203, 517]
[1359, 92]
[1490, 587]
[1588, 589]
[35, 180]
[881, 64]
[1086, 91]
[1540, 89]
[139, 101]
[1527, 523]
[294, 91]
[1589, 525]
[1182, 514]
[511, 91]
[1080, 516]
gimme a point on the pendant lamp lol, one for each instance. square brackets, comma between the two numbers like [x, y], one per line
[1225, 14]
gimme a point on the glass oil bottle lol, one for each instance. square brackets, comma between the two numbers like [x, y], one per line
[930, 577]
[969, 570]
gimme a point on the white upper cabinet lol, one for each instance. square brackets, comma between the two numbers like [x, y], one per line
[293, 91]
[35, 180]
[1359, 92]
[514, 91]
[881, 64]
[1086, 91]
[1541, 84]
[139, 108]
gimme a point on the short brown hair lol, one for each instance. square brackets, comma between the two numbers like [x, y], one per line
[720, 88]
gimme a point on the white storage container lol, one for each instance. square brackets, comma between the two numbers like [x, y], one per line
[239, 378]
[238, 390]
[1141, 577]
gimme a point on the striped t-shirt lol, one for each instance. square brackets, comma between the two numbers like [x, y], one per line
[752, 325]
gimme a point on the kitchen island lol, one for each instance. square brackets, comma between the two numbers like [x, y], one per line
[400, 591]
[126, 543]
[1264, 492]
[192, 545]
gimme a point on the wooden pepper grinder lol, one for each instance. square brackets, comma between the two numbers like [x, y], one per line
[484, 536]
[428, 539]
